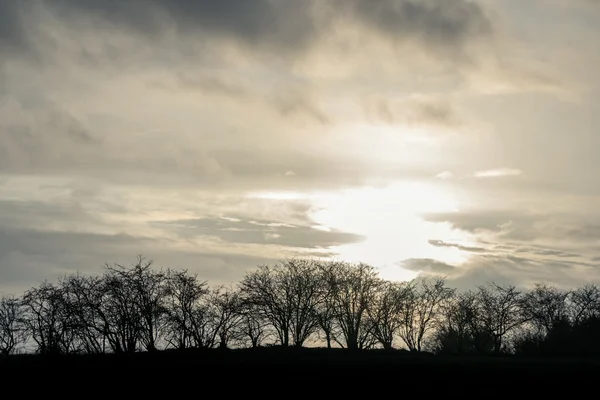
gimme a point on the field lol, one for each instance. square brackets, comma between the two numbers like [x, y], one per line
[294, 363]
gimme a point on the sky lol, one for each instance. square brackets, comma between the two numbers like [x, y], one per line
[455, 138]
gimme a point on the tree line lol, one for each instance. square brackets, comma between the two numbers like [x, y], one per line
[296, 302]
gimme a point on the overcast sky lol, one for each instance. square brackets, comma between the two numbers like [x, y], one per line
[449, 137]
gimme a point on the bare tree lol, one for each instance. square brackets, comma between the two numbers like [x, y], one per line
[287, 296]
[302, 277]
[545, 306]
[119, 311]
[225, 307]
[13, 332]
[184, 298]
[421, 310]
[386, 310]
[460, 329]
[81, 302]
[352, 288]
[584, 303]
[147, 289]
[251, 329]
[264, 290]
[501, 311]
[325, 310]
[48, 320]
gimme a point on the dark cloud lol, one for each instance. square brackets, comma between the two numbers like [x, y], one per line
[438, 113]
[441, 243]
[444, 25]
[36, 136]
[260, 232]
[285, 102]
[27, 257]
[482, 220]
[17, 213]
[523, 226]
[428, 265]
[285, 25]
[12, 32]
[541, 251]
[507, 269]
[281, 24]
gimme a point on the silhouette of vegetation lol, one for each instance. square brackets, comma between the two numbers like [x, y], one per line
[296, 303]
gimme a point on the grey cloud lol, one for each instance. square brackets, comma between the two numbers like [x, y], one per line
[541, 251]
[27, 257]
[544, 234]
[12, 33]
[429, 112]
[35, 136]
[441, 243]
[481, 220]
[524, 272]
[445, 25]
[15, 213]
[285, 25]
[438, 113]
[508, 269]
[42, 142]
[285, 102]
[212, 84]
[296, 102]
[260, 232]
[428, 265]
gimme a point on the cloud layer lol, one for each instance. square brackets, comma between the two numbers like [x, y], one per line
[218, 135]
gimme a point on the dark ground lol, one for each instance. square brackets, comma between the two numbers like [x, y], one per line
[288, 365]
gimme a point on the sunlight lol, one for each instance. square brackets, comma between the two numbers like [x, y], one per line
[389, 219]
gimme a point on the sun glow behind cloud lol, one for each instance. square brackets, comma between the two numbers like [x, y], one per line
[389, 219]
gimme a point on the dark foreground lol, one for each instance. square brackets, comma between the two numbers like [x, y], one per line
[327, 367]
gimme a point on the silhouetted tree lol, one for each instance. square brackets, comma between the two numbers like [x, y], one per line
[385, 313]
[184, 296]
[13, 332]
[49, 322]
[353, 288]
[80, 299]
[325, 310]
[460, 330]
[148, 291]
[287, 296]
[500, 311]
[421, 310]
[120, 312]
[250, 331]
[545, 306]
[584, 304]
[225, 307]
[306, 293]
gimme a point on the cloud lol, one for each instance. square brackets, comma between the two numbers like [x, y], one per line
[428, 265]
[445, 175]
[441, 243]
[496, 173]
[444, 26]
[425, 111]
[285, 25]
[503, 268]
[27, 257]
[260, 232]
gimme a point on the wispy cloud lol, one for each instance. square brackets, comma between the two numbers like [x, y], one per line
[445, 175]
[499, 172]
